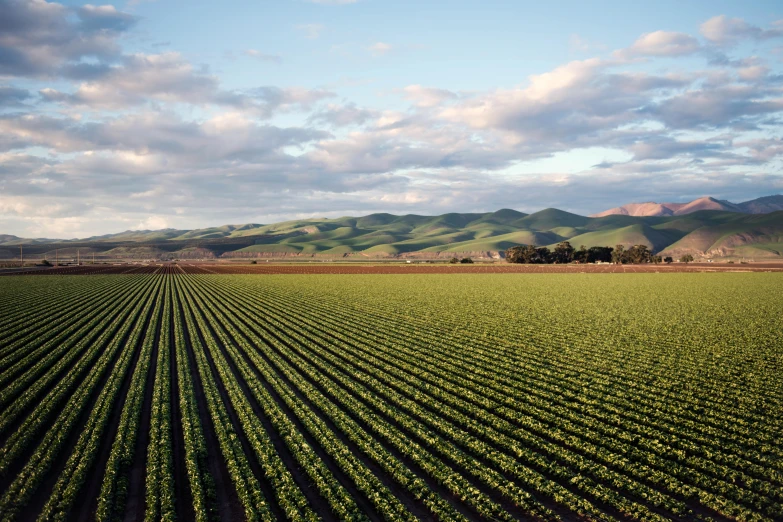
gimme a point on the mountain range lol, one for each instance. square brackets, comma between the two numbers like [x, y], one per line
[755, 206]
[703, 233]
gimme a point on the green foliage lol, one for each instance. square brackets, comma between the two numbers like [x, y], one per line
[686, 258]
[618, 255]
[529, 254]
[563, 253]
[466, 261]
[646, 395]
[637, 254]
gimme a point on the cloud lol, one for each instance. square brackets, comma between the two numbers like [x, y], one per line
[753, 72]
[144, 135]
[427, 96]
[665, 147]
[155, 136]
[169, 78]
[104, 18]
[37, 38]
[578, 104]
[342, 115]
[310, 31]
[139, 77]
[264, 57]
[152, 223]
[664, 43]
[723, 30]
[732, 105]
[380, 48]
[763, 150]
[288, 98]
[13, 96]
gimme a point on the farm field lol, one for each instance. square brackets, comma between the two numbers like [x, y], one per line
[319, 267]
[190, 395]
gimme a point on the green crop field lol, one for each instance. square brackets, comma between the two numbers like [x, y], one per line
[392, 397]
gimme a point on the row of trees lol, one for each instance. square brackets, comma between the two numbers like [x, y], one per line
[565, 253]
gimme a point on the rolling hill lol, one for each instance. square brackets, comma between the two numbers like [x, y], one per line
[703, 233]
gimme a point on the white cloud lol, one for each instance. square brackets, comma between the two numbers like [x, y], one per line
[664, 43]
[723, 30]
[153, 140]
[427, 96]
[164, 77]
[152, 223]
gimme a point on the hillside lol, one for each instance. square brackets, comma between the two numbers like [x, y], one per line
[703, 233]
[757, 206]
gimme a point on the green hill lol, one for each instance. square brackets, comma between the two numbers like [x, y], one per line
[638, 234]
[704, 233]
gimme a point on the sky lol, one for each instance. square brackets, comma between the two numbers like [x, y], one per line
[188, 114]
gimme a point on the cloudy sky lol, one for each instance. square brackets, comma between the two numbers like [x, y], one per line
[173, 113]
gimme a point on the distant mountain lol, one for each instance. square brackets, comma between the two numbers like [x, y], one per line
[763, 205]
[756, 206]
[702, 228]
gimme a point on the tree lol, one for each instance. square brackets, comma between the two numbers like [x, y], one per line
[529, 254]
[514, 254]
[542, 256]
[618, 256]
[254, 262]
[657, 259]
[563, 253]
[581, 255]
[638, 254]
[454, 260]
[466, 261]
[600, 254]
[686, 258]
[668, 260]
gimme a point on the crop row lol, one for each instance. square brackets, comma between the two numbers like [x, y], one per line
[464, 397]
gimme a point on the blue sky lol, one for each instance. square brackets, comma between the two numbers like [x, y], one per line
[153, 114]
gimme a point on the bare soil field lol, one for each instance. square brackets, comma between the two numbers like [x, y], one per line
[388, 268]
[498, 268]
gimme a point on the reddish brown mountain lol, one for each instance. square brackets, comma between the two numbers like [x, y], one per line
[756, 206]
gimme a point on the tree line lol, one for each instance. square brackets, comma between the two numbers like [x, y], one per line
[565, 253]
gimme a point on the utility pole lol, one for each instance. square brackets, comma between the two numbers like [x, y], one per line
[55, 258]
[78, 258]
[21, 256]
[93, 258]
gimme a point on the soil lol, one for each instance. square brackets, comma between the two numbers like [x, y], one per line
[398, 268]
